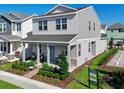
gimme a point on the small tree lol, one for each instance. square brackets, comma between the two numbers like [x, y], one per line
[64, 64]
[111, 43]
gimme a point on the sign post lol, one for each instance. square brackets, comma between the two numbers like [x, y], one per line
[93, 77]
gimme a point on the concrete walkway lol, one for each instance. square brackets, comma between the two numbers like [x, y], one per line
[24, 82]
[117, 60]
[31, 73]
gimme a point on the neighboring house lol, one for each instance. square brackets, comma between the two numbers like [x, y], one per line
[77, 31]
[116, 31]
[13, 28]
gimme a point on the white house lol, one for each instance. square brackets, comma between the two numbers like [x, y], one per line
[13, 28]
[77, 31]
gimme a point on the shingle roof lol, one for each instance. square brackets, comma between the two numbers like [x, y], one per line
[116, 26]
[50, 38]
[20, 16]
[71, 11]
[11, 37]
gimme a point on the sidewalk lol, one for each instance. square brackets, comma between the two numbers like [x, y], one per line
[31, 73]
[24, 82]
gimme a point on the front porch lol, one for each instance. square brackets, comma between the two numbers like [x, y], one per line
[9, 45]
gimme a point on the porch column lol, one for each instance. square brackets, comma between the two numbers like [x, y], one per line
[38, 55]
[69, 55]
[48, 55]
[11, 48]
[7, 47]
[23, 53]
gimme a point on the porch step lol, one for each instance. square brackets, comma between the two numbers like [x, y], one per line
[31, 73]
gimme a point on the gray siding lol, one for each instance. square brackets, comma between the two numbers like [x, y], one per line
[83, 17]
[4, 20]
[71, 24]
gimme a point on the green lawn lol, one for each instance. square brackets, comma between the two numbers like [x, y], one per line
[82, 76]
[5, 85]
[5, 66]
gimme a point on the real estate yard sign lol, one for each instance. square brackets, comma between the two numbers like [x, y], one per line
[93, 76]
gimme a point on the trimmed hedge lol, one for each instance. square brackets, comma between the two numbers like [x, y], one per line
[23, 66]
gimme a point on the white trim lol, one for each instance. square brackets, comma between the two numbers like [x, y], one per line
[74, 38]
[46, 16]
[58, 6]
[84, 9]
[45, 42]
[88, 39]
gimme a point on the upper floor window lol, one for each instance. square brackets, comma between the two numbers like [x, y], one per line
[43, 25]
[18, 26]
[3, 27]
[120, 30]
[94, 26]
[89, 25]
[61, 24]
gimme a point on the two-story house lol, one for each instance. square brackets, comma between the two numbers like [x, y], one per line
[77, 31]
[116, 31]
[13, 28]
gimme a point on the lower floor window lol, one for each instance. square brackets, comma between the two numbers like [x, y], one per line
[79, 49]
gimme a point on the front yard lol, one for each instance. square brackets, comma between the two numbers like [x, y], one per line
[6, 85]
[82, 74]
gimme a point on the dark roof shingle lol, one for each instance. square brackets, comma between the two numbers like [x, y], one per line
[116, 26]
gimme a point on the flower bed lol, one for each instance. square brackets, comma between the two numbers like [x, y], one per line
[51, 72]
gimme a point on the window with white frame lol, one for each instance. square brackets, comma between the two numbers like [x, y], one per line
[61, 24]
[89, 47]
[43, 25]
[89, 25]
[18, 26]
[79, 49]
[3, 27]
[94, 26]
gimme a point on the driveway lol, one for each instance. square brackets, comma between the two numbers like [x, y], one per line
[24, 82]
[117, 60]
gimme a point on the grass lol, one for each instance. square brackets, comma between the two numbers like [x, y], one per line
[6, 85]
[5, 66]
[82, 76]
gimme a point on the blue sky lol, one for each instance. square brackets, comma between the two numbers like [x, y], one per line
[108, 14]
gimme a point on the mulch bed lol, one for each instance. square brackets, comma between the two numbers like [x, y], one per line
[52, 81]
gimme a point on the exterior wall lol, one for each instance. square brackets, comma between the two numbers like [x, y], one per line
[71, 26]
[118, 36]
[101, 46]
[83, 18]
[115, 34]
[26, 27]
[4, 20]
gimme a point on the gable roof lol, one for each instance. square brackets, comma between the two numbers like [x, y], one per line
[62, 13]
[60, 5]
[16, 16]
[116, 26]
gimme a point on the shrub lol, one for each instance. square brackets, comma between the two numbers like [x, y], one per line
[42, 72]
[45, 67]
[63, 77]
[63, 64]
[49, 74]
[56, 75]
[31, 63]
